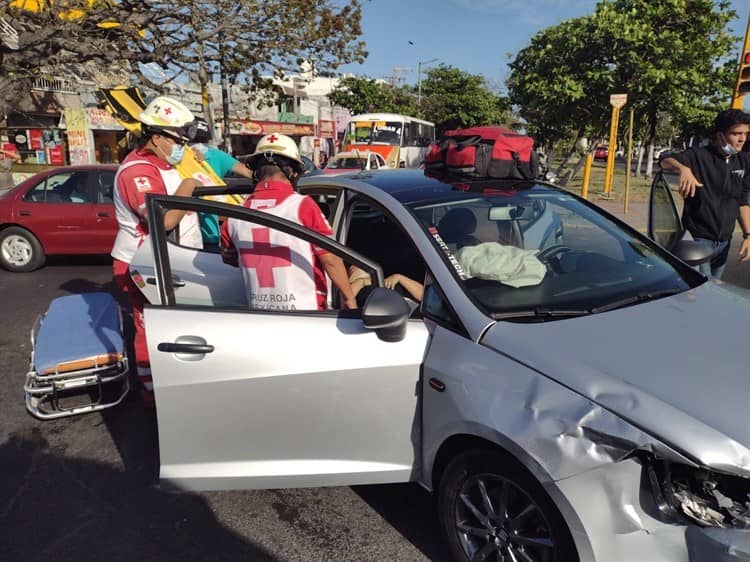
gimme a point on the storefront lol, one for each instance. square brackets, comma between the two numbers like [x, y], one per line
[245, 133]
[109, 137]
[35, 136]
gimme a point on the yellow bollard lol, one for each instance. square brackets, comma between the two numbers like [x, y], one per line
[610, 168]
[587, 175]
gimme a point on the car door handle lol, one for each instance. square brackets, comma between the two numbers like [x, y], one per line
[192, 348]
[24, 213]
[176, 282]
[436, 384]
[103, 215]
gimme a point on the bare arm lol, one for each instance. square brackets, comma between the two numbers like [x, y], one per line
[241, 170]
[744, 219]
[334, 267]
[414, 288]
[185, 189]
[688, 182]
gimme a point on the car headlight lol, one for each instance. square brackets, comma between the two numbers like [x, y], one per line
[709, 498]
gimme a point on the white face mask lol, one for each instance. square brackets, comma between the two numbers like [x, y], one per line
[176, 155]
[729, 150]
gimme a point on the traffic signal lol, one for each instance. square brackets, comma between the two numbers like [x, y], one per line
[743, 80]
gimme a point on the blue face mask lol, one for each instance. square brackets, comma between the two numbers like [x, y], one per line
[177, 154]
[729, 150]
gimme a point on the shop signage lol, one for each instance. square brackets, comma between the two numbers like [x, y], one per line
[245, 127]
[78, 133]
[56, 156]
[100, 119]
[36, 139]
[326, 128]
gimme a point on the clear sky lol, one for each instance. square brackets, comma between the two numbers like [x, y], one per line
[478, 36]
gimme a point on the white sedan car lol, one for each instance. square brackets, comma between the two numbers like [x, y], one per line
[355, 161]
[567, 387]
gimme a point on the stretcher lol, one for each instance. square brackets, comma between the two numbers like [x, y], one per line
[78, 359]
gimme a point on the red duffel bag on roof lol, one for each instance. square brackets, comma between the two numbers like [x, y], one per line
[492, 152]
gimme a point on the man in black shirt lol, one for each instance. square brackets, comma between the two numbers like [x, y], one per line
[715, 184]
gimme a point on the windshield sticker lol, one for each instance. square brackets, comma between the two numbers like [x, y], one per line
[447, 251]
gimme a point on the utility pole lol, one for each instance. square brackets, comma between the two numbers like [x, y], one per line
[225, 132]
[397, 75]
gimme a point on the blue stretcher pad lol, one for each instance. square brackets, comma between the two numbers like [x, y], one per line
[78, 350]
[77, 327]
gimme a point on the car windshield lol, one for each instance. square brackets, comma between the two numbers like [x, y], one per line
[376, 132]
[541, 253]
[348, 163]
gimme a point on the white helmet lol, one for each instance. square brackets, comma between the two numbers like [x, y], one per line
[273, 145]
[168, 115]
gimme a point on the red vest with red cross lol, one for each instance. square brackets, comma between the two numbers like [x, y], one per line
[278, 269]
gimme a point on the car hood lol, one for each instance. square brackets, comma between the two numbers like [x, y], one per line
[678, 368]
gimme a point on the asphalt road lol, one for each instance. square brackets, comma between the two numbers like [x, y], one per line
[85, 489]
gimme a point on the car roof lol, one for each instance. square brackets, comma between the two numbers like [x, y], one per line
[412, 186]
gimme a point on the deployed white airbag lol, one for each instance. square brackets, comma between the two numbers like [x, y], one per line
[507, 264]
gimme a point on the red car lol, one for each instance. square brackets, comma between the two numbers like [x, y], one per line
[601, 152]
[66, 210]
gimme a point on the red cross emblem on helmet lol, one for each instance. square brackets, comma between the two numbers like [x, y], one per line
[272, 138]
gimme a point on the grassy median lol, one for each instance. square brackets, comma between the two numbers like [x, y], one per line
[639, 186]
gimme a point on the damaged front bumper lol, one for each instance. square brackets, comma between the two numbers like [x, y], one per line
[646, 509]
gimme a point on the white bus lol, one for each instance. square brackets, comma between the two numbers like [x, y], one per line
[400, 139]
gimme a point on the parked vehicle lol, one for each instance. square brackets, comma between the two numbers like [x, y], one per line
[66, 210]
[354, 161]
[601, 153]
[559, 402]
[401, 139]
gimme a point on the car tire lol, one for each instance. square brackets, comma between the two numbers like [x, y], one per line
[491, 508]
[20, 251]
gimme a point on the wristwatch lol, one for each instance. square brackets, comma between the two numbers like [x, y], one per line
[746, 235]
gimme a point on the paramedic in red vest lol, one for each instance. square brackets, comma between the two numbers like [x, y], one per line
[283, 272]
[150, 169]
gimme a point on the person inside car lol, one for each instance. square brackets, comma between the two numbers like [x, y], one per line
[360, 281]
[150, 169]
[282, 272]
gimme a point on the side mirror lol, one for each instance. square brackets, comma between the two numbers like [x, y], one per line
[692, 252]
[386, 312]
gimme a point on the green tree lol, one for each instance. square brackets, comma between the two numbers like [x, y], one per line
[671, 58]
[367, 95]
[247, 39]
[561, 84]
[453, 98]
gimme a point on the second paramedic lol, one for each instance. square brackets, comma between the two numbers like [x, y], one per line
[283, 272]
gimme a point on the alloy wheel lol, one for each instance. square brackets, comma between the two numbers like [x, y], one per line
[497, 521]
[17, 250]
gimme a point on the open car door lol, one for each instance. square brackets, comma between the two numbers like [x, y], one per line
[250, 398]
[665, 227]
[664, 224]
